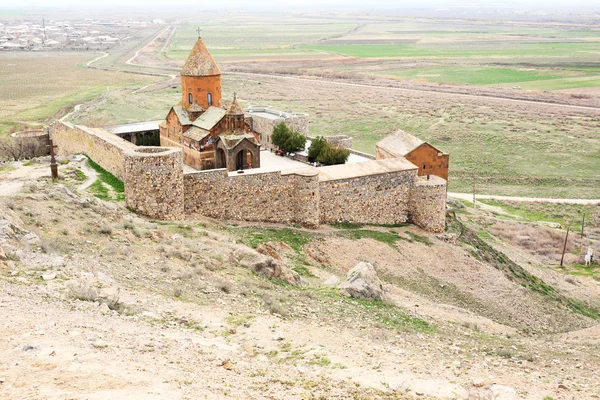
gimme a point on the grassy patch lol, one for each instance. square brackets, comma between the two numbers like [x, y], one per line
[392, 317]
[384, 237]
[320, 361]
[581, 270]
[419, 239]
[562, 214]
[81, 176]
[347, 225]
[254, 237]
[524, 50]
[107, 186]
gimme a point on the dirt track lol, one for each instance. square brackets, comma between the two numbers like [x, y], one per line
[469, 197]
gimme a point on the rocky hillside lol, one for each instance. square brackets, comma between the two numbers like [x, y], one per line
[103, 303]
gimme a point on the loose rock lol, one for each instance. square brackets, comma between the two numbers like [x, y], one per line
[362, 282]
[104, 309]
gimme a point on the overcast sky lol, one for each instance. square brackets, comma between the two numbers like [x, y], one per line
[297, 4]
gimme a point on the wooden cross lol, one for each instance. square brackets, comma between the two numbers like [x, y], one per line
[198, 30]
[53, 165]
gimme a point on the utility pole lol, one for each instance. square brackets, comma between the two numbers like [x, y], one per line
[564, 247]
[474, 205]
[582, 224]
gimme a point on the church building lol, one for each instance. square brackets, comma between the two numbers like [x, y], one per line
[210, 134]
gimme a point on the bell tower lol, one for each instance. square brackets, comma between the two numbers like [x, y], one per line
[200, 79]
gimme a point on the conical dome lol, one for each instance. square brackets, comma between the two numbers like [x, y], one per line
[200, 62]
[235, 108]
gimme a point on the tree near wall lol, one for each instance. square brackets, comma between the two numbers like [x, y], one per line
[286, 139]
[333, 155]
[317, 145]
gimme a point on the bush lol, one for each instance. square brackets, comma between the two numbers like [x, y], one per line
[286, 139]
[333, 155]
[316, 147]
[18, 148]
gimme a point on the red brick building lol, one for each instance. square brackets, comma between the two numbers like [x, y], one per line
[429, 159]
[210, 135]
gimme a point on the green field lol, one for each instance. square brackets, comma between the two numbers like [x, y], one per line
[527, 78]
[252, 39]
[524, 51]
[36, 86]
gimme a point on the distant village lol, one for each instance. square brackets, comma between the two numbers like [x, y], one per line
[87, 34]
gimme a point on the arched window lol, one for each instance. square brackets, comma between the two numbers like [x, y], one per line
[210, 99]
[191, 99]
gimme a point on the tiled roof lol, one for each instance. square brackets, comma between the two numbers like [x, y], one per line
[200, 62]
[400, 143]
[184, 118]
[231, 140]
[210, 118]
[196, 134]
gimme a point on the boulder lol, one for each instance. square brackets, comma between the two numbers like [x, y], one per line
[362, 282]
[264, 265]
[501, 392]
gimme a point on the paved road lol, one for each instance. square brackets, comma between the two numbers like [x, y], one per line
[469, 197]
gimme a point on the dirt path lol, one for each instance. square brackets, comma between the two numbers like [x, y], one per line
[137, 52]
[96, 59]
[91, 174]
[73, 111]
[469, 197]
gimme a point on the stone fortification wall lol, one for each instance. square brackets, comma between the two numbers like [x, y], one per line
[264, 125]
[153, 176]
[101, 146]
[374, 192]
[154, 182]
[340, 141]
[271, 197]
[377, 196]
[428, 203]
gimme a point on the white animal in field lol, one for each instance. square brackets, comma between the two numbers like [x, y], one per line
[589, 257]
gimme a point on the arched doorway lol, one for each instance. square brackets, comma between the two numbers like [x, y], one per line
[241, 160]
[221, 161]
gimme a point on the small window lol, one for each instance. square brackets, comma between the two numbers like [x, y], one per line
[424, 166]
[210, 99]
[191, 99]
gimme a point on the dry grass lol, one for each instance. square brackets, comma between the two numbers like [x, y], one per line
[541, 241]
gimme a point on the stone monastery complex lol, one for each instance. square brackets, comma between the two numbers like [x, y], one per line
[209, 163]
